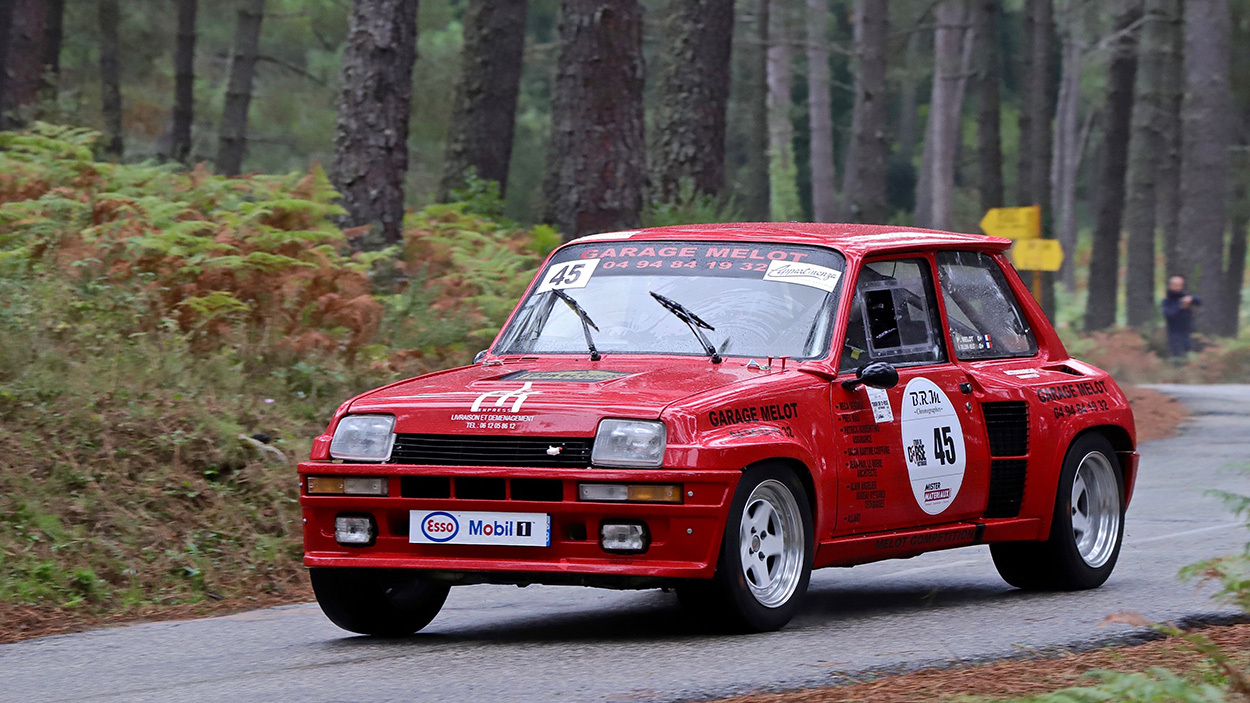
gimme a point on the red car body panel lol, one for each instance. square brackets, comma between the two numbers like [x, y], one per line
[720, 419]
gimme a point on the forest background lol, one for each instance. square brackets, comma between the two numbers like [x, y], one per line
[220, 220]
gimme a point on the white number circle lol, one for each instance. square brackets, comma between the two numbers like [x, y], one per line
[933, 444]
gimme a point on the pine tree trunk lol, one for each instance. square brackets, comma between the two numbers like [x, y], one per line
[820, 113]
[1235, 268]
[1148, 147]
[25, 54]
[1168, 187]
[53, 39]
[1064, 167]
[1024, 120]
[952, 51]
[989, 107]
[184, 82]
[480, 135]
[232, 140]
[1206, 134]
[110, 78]
[596, 162]
[688, 148]
[1104, 263]
[375, 104]
[6, 27]
[1040, 104]
[909, 96]
[755, 203]
[868, 155]
[783, 185]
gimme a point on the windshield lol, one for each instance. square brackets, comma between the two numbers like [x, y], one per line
[757, 299]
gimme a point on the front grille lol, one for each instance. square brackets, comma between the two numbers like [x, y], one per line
[538, 490]
[478, 450]
[1007, 425]
[1006, 487]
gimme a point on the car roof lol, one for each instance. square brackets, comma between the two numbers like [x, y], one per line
[863, 240]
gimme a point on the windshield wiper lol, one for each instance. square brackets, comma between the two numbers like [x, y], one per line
[692, 321]
[587, 323]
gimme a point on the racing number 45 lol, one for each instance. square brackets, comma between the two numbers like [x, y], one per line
[943, 445]
[566, 275]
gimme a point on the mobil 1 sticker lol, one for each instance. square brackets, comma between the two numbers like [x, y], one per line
[933, 442]
[480, 528]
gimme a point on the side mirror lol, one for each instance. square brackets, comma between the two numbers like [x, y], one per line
[878, 374]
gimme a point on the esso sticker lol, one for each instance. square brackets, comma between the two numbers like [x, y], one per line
[933, 444]
[570, 274]
[440, 527]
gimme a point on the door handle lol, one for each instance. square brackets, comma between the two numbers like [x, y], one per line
[965, 388]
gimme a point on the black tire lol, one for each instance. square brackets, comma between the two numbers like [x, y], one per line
[728, 598]
[377, 602]
[1057, 564]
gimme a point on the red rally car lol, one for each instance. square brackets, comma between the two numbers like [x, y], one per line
[719, 410]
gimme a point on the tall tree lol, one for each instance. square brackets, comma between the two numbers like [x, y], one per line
[989, 103]
[1024, 120]
[375, 104]
[1104, 262]
[820, 112]
[1168, 188]
[689, 144]
[6, 27]
[868, 155]
[1069, 146]
[110, 77]
[1207, 136]
[1039, 104]
[232, 140]
[1148, 149]
[53, 39]
[596, 162]
[25, 55]
[952, 51]
[756, 201]
[184, 82]
[1235, 267]
[783, 170]
[914, 64]
[480, 134]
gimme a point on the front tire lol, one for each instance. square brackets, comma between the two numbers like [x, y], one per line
[765, 558]
[377, 602]
[1086, 531]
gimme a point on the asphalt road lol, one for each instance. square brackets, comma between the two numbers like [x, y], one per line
[497, 643]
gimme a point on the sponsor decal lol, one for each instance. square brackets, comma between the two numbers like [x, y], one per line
[479, 528]
[933, 444]
[1068, 391]
[931, 539]
[803, 274]
[753, 413]
[440, 527]
[879, 399]
[517, 396]
[571, 375]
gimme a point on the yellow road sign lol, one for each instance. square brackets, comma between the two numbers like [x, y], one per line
[1037, 255]
[1013, 222]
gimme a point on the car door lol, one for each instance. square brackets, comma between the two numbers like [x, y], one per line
[913, 454]
[991, 339]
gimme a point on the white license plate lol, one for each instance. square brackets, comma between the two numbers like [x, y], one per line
[482, 528]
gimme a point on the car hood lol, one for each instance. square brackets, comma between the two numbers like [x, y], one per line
[545, 397]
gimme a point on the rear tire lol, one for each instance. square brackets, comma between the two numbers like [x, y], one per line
[377, 602]
[765, 559]
[1085, 532]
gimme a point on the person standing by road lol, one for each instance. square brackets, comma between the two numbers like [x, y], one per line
[1178, 311]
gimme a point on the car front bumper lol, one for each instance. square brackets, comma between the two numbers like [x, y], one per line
[684, 538]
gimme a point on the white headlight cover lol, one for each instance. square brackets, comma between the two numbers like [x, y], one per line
[629, 443]
[364, 438]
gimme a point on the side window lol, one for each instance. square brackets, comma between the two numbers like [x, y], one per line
[985, 317]
[893, 316]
